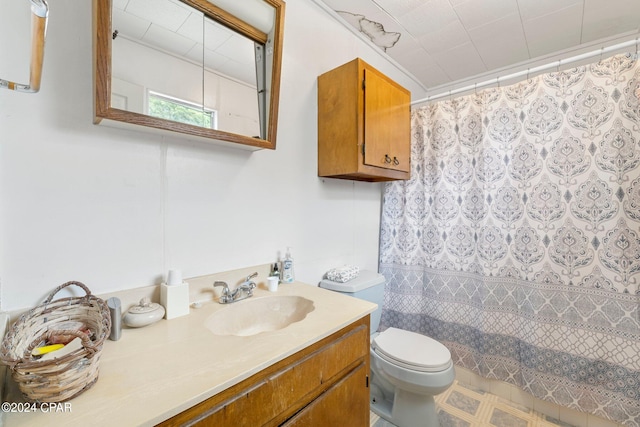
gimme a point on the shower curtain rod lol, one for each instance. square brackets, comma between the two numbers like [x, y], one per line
[529, 71]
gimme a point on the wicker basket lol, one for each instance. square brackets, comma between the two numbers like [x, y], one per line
[65, 377]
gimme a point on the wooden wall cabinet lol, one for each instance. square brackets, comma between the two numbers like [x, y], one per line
[325, 384]
[364, 129]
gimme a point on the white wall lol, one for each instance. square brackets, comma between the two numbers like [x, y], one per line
[116, 208]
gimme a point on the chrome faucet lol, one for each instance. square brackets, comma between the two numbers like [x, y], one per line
[244, 290]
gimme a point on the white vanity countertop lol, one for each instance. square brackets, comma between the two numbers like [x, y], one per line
[158, 371]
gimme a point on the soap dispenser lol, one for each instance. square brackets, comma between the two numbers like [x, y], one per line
[288, 275]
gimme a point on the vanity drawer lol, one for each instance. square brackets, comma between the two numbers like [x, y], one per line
[341, 405]
[274, 395]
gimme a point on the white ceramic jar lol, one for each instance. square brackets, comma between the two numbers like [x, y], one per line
[144, 314]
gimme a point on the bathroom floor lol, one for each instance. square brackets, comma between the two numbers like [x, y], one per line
[465, 406]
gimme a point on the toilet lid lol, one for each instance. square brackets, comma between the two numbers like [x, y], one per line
[412, 350]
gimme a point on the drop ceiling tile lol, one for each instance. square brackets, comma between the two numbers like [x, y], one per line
[554, 32]
[406, 48]
[431, 16]
[412, 57]
[164, 12]
[193, 27]
[603, 19]
[216, 35]
[460, 62]
[196, 53]
[236, 70]
[352, 18]
[213, 60]
[380, 16]
[447, 37]
[361, 7]
[397, 7]
[167, 40]
[238, 48]
[378, 27]
[530, 9]
[129, 24]
[501, 42]
[421, 65]
[371, 21]
[430, 75]
[474, 13]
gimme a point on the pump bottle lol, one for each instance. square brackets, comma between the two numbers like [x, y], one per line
[288, 275]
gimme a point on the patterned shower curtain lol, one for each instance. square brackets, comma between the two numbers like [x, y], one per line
[516, 242]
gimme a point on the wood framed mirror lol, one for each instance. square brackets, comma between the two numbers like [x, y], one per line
[208, 69]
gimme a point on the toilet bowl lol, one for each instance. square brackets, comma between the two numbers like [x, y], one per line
[407, 368]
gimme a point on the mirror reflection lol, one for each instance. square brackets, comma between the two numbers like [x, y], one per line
[171, 61]
[196, 63]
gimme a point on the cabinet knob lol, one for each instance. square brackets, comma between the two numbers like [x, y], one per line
[396, 161]
[387, 159]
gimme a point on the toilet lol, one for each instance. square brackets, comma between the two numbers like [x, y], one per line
[407, 369]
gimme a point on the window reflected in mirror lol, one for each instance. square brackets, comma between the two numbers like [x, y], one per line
[178, 110]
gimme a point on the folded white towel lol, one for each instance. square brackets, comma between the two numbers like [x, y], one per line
[343, 274]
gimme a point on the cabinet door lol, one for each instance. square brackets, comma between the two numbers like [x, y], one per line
[346, 403]
[387, 127]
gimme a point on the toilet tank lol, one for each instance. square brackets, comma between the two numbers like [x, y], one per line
[368, 286]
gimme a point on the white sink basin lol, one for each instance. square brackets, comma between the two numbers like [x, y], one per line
[256, 315]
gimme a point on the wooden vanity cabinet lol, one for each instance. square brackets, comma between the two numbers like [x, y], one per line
[326, 383]
[364, 129]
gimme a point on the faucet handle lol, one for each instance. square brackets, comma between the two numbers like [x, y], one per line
[248, 286]
[226, 293]
[225, 287]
